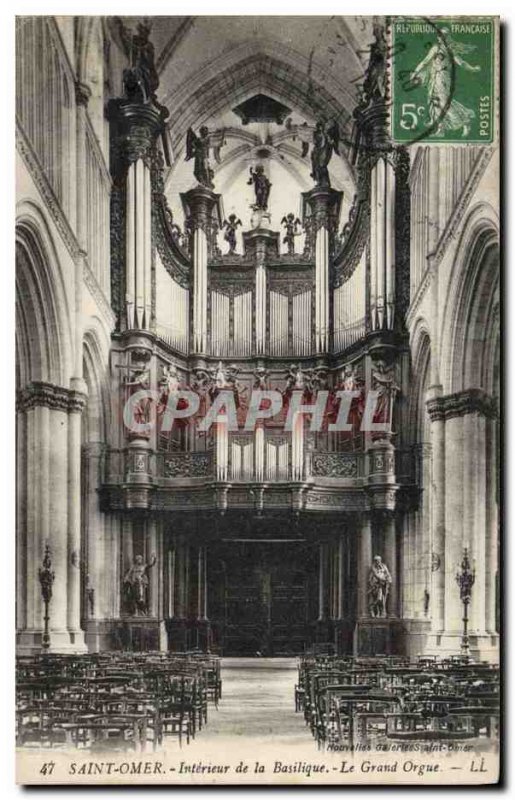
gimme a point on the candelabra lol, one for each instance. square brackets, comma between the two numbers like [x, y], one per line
[46, 579]
[465, 580]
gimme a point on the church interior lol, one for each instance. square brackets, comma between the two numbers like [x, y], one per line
[214, 204]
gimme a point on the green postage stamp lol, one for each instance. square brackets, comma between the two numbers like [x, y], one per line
[442, 80]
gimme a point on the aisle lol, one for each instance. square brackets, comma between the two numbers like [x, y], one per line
[257, 707]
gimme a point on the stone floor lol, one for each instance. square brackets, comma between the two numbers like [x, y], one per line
[258, 701]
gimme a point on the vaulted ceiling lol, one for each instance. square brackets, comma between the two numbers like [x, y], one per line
[210, 65]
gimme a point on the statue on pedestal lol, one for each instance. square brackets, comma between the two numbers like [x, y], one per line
[383, 381]
[379, 582]
[326, 140]
[262, 187]
[141, 79]
[135, 587]
[198, 147]
[290, 224]
[230, 234]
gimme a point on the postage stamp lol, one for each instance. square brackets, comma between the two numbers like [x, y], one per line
[442, 80]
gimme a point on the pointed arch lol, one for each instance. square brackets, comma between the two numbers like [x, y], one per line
[44, 332]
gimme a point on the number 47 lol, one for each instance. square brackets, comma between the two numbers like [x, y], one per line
[47, 768]
[409, 116]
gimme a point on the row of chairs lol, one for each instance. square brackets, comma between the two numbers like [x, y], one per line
[114, 700]
[347, 700]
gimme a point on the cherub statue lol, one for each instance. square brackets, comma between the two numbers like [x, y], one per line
[262, 187]
[230, 234]
[198, 147]
[291, 224]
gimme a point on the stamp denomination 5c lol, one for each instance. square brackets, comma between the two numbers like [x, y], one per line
[442, 85]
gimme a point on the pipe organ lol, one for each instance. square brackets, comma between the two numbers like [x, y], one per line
[172, 309]
[191, 315]
[349, 304]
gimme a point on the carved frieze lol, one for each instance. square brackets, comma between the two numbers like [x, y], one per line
[187, 465]
[334, 465]
[468, 401]
[40, 393]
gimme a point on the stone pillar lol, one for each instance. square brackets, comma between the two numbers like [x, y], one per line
[438, 564]
[491, 557]
[324, 205]
[152, 549]
[364, 564]
[203, 214]
[50, 454]
[390, 559]
[74, 514]
[322, 570]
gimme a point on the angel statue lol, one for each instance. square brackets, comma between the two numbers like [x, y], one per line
[261, 375]
[230, 234]
[435, 71]
[290, 225]
[141, 78]
[326, 139]
[262, 187]
[198, 147]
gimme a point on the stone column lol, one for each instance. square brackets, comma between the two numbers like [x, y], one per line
[438, 564]
[325, 205]
[74, 514]
[364, 564]
[152, 549]
[390, 558]
[491, 562]
[51, 485]
[322, 581]
[341, 576]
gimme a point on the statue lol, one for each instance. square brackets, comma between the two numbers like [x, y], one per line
[140, 377]
[383, 382]
[326, 139]
[262, 187]
[141, 79]
[198, 147]
[291, 224]
[296, 379]
[230, 234]
[261, 378]
[379, 581]
[169, 382]
[374, 86]
[135, 586]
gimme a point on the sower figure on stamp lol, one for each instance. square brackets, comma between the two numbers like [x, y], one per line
[379, 581]
[135, 586]
[435, 71]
